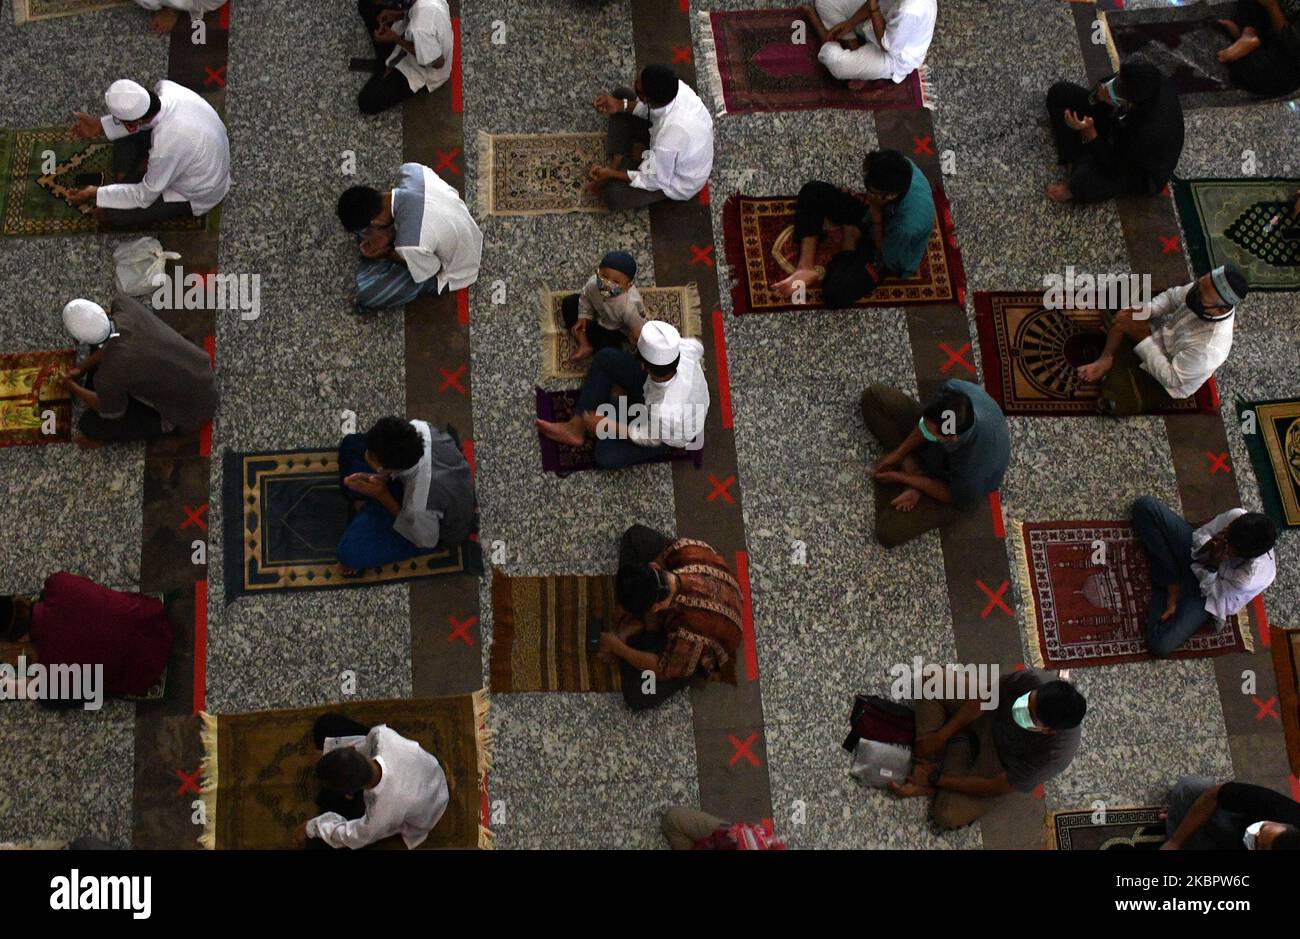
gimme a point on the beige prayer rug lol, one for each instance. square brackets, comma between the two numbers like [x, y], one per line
[677, 305]
[27, 11]
[537, 174]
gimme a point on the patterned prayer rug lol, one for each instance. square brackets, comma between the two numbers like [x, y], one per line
[27, 11]
[537, 174]
[1118, 830]
[29, 388]
[539, 633]
[753, 64]
[677, 305]
[1079, 613]
[37, 169]
[1246, 221]
[1274, 450]
[284, 516]
[1030, 354]
[259, 782]
[562, 460]
[761, 250]
[1184, 43]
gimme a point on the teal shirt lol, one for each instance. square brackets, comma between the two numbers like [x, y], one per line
[908, 223]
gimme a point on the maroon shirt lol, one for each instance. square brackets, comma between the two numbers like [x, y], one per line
[78, 622]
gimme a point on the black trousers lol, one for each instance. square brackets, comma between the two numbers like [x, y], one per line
[597, 335]
[641, 545]
[140, 422]
[130, 163]
[1090, 181]
[624, 131]
[384, 89]
[850, 275]
[1272, 69]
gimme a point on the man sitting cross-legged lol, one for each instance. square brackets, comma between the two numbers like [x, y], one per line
[872, 40]
[1265, 53]
[943, 458]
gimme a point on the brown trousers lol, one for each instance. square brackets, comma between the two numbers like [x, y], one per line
[969, 753]
[1127, 387]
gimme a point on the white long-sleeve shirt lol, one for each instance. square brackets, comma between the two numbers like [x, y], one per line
[428, 26]
[675, 409]
[436, 235]
[680, 157]
[195, 8]
[411, 796]
[189, 155]
[909, 30]
[1237, 581]
[1183, 350]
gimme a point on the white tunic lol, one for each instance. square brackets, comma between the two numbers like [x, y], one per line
[1183, 350]
[428, 26]
[680, 157]
[417, 523]
[189, 155]
[677, 407]
[409, 800]
[443, 239]
[1236, 582]
[195, 8]
[909, 29]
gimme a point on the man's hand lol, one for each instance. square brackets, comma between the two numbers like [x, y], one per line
[1171, 605]
[910, 790]
[805, 275]
[886, 463]
[389, 17]
[300, 836]
[609, 648]
[367, 484]
[607, 104]
[927, 746]
[1084, 125]
[908, 500]
[384, 34]
[83, 195]
[87, 127]
[838, 30]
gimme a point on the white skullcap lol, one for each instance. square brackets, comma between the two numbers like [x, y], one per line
[659, 343]
[86, 322]
[127, 100]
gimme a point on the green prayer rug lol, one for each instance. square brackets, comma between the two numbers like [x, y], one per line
[1249, 222]
[1274, 450]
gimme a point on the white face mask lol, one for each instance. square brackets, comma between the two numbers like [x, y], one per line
[1251, 837]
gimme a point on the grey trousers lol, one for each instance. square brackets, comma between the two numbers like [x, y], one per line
[1221, 833]
[626, 130]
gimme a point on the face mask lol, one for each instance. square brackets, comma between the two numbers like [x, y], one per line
[1251, 836]
[1109, 89]
[1020, 713]
[608, 289]
[925, 431]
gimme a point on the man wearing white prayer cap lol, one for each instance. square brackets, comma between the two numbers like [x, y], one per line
[640, 406]
[171, 155]
[144, 379]
[169, 11]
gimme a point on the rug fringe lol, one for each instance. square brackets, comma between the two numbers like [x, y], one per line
[692, 324]
[928, 100]
[1244, 630]
[485, 740]
[711, 75]
[1049, 832]
[483, 191]
[1016, 536]
[209, 779]
[1111, 49]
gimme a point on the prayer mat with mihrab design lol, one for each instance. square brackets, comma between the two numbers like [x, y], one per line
[1114, 830]
[539, 633]
[259, 781]
[1249, 222]
[563, 460]
[537, 174]
[27, 11]
[761, 250]
[284, 517]
[29, 387]
[1031, 355]
[754, 64]
[1080, 613]
[1274, 449]
[39, 167]
[677, 305]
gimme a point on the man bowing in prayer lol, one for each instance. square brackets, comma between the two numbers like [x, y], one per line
[168, 12]
[413, 42]
[879, 39]
[171, 156]
[661, 128]
[416, 238]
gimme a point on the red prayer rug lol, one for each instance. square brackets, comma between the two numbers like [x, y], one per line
[761, 250]
[1080, 612]
[754, 62]
[32, 400]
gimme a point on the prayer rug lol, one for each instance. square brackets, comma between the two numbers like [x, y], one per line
[753, 65]
[29, 387]
[1030, 354]
[259, 782]
[39, 166]
[537, 174]
[1115, 830]
[539, 633]
[563, 460]
[1274, 449]
[1184, 43]
[1249, 222]
[761, 250]
[1080, 613]
[284, 516]
[27, 11]
[677, 305]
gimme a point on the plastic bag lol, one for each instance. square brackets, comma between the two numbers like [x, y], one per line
[141, 265]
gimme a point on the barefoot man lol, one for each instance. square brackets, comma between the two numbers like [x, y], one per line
[168, 12]
[879, 39]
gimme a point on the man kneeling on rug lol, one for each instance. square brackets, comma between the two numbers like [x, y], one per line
[943, 458]
[374, 783]
[870, 41]
[679, 617]
[653, 402]
[883, 235]
[967, 757]
[1168, 348]
[1203, 816]
[411, 489]
[1211, 572]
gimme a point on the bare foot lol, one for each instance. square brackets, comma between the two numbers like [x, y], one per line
[567, 433]
[583, 352]
[1059, 192]
[907, 501]
[86, 443]
[1240, 49]
[1096, 371]
[164, 20]
[1231, 28]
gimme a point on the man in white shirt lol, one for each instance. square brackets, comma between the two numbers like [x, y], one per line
[640, 406]
[1209, 573]
[664, 130]
[414, 46]
[167, 12]
[875, 40]
[375, 783]
[416, 238]
[1168, 348]
[171, 155]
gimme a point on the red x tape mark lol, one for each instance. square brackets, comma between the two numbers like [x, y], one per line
[447, 160]
[684, 5]
[452, 379]
[720, 488]
[1169, 244]
[192, 517]
[189, 782]
[923, 146]
[1218, 461]
[958, 357]
[701, 255]
[460, 630]
[995, 598]
[742, 749]
[215, 76]
[681, 54]
[1265, 708]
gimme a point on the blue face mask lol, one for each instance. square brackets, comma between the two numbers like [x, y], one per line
[1020, 713]
[925, 431]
